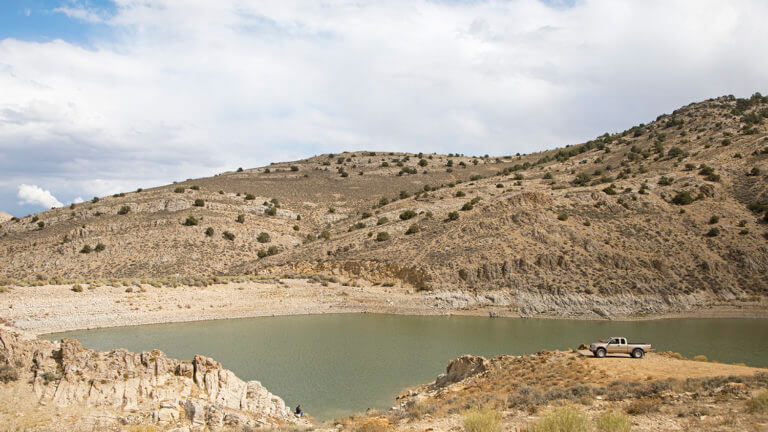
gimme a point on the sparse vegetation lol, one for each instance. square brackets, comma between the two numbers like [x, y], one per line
[758, 404]
[562, 419]
[199, 203]
[228, 235]
[382, 236]
[682, 198]
[408, 214]
[190, 221]
[263, 237]
[124, 210]
[482, 420]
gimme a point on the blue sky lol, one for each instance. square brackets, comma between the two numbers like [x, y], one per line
[104, 96]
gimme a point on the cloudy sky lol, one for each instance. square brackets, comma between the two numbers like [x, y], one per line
[102, 96]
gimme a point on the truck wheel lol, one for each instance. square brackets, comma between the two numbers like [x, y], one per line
[600, 353]
[637, 353]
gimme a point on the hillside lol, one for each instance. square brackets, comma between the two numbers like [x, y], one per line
[664, 215]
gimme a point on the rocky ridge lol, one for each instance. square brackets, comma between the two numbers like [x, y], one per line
[114, 388]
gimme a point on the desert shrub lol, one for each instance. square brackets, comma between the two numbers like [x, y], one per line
[190, 221]
[525, 397]
[294, 168]
[582, 179]
[209, 231]
[690, 167]
[423, 163]
[643, 406]
[548, 176]
[240, 218]
[366, 215]
[682, 198]
[500, 186]
[41, 224]
[77, 288]
[8, 374]
[325, 235]
[195, 187]
[700, 357]
[610, 190]
[758, 404]
[712, 177]
[250, 197]
[263, 237]
[482, 420]
[383, 201]
[86, 249]
[124, 210]
[611, 421]
[666, 181]
[176, 190]
[99, 247]
[382, 221]
[562, 419]
[562, 216]
[467, 206]
[413, 229]
[453, 216]
[199, 203]
[460, 194]
[408, 214]
[228, 235]
[382, 236]
[271, 211]
[675, 152]
[714, 219]
[713, 232]
[272, 250]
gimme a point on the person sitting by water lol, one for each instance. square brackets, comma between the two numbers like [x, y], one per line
[299, 411]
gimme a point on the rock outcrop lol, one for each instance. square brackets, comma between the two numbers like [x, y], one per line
[461, 368]
[122, 387]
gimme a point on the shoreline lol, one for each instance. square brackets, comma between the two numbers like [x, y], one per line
[57, 309]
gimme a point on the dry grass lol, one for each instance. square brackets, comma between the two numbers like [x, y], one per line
[612, 421]
[482, 420]
[562, 419]
[19, 410]
[758, 404]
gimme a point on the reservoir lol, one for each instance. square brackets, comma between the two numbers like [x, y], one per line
[335, 365]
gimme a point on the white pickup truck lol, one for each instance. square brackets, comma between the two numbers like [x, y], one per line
[619, 345]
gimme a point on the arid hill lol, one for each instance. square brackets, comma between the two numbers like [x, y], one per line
[668, 214]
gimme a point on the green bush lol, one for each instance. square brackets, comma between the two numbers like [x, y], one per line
[562, 419]
[191, 221]
[382, 220]
[366, 215]
[758, 404]
[382, 236]
[250, 197]
[548, 176]
[582, 179]
[610, 190]
[467, 206]
[177, 190]
[713, 232]
[452, 216]
[666, 181]
[99, 247]
[271, 211]
[714, 219]
[408, 214]
[86, 249]
[682, 198]
[611, 421]
[423, 163]
[562, 216]
[460, 194]
[228, 235]
[124, 210]
[482, 420]
[195, 187]
[240, 218]
[209, 231]
[263, 237]
[199, 203]
[296, 228]
[77, 288]
[325, 235]
[413, 229]
[272, 250]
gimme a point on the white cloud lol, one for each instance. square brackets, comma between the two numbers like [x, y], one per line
[187, 89]
[77, 200]
[35, 195]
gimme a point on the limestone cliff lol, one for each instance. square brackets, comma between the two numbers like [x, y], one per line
[122, 387]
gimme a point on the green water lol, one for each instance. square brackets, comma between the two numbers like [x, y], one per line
[338, 364]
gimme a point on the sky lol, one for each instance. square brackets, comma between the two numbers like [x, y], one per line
[103, 96]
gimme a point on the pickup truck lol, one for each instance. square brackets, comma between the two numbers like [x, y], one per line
[619, 345]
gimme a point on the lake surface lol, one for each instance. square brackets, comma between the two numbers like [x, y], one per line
[335, 365]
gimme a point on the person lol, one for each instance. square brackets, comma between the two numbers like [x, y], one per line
[299, 411]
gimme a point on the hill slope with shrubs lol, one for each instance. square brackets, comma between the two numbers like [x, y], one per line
[671, 214]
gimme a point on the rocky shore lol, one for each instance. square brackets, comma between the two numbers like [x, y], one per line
[86, 389]
[55, 308]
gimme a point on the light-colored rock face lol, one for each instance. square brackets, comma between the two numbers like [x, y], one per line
[4, 217]
[121, 387]
[461, 368]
